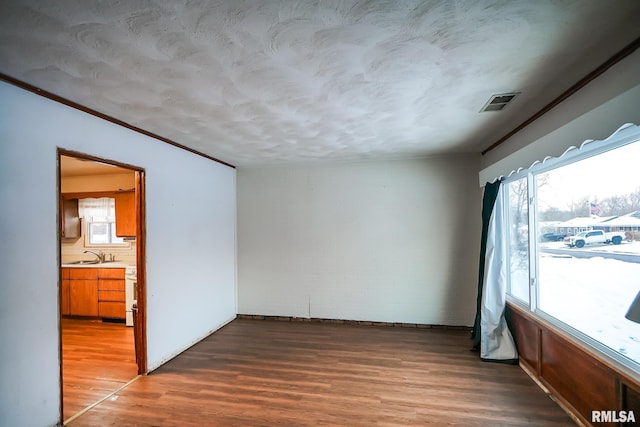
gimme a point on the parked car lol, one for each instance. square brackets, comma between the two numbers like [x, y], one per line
[553, 237]
[593, 236]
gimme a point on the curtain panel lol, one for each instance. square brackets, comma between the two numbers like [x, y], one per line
[491, 336]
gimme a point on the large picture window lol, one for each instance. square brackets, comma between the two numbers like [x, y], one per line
[585, 261]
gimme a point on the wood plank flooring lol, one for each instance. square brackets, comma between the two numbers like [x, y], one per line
[268, 373]
[97, 359]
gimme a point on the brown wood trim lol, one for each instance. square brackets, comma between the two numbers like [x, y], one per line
[539, 361]
[620, 393]
[85, 156]
[631, 399]
[531, 370]
[603, 359]
[626, 51]
[52, 96]
[60, 278]
[526, 335]
[563, 403]
[575, 375]
[141, 239]
[578, 377]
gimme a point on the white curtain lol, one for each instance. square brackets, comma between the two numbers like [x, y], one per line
[496, 342]
[102, 209]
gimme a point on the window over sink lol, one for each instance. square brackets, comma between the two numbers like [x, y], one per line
[99, 216]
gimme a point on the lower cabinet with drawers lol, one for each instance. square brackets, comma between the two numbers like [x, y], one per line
[93, 292]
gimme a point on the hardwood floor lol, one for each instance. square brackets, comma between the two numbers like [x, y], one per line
[267, 373]
[97, 359]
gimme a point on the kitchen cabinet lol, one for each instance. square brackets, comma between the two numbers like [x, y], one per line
[111, 293]
[70, 219]
[93, 292]
[83, 298]
[126, 214]
[83, 292]
[65, 308]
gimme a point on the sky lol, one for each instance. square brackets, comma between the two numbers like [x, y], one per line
[616, 172]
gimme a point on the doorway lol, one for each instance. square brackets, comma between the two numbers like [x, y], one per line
[101, 255]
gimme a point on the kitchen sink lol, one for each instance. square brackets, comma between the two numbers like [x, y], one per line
[88, 261]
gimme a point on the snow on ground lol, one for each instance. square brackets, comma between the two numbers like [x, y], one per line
[593, 295]
[624, 248]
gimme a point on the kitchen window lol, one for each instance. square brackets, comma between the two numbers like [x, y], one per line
[99, 217]
[576, 218]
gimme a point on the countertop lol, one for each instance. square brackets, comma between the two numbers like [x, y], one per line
[114, 264]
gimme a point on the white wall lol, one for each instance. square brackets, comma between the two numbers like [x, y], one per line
[394, 241]
[190, 245]
[595, 112]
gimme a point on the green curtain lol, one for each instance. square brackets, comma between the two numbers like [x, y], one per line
[488, 202]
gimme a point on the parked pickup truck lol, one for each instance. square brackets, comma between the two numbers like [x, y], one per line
[593, 236]
[553, 237]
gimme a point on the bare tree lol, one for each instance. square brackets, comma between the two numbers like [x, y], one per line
[554, 214]
[616, 205]
[518, 196]
[634, 200]
[621, 204]
[580, 207]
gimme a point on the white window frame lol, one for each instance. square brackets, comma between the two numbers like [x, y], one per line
[111, 225]
[587, 150]
[507, 214]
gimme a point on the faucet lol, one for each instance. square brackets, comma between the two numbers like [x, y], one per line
[99, 254]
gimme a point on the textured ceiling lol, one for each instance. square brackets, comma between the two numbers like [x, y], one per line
[257, 82]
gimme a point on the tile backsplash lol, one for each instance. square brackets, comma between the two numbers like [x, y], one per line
[73, 250]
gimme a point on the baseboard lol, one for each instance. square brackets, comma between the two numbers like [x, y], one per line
[352, 322]
[553, 395]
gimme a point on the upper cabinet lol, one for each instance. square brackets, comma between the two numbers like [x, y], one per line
[126, 214]
[82, 178]
[70, 219]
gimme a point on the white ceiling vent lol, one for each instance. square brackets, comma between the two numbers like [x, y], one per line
[498, 102]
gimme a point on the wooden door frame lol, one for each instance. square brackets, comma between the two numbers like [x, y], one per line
[140, 340]
[141, 238]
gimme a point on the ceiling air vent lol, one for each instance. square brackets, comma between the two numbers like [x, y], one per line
[498, 102]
